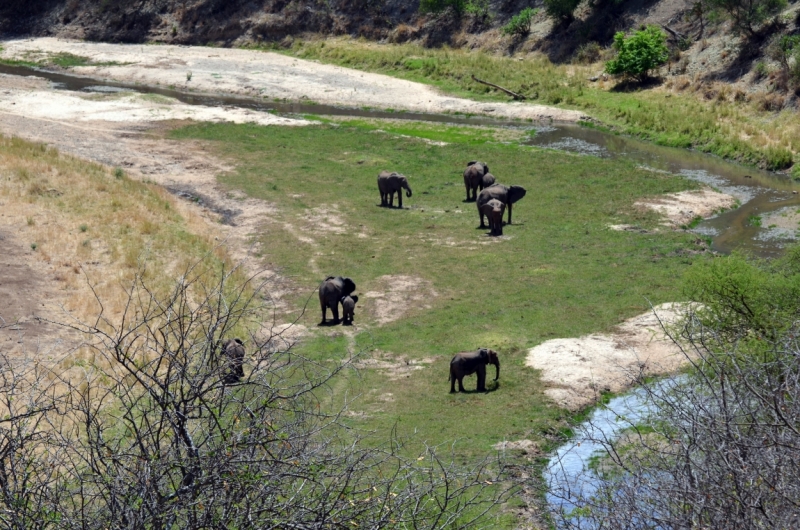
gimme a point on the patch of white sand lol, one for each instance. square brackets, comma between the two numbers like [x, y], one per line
[269, 75]
[680, 209]
[577, 370]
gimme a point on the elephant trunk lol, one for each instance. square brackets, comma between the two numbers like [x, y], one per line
[408, 190]
[497, 369]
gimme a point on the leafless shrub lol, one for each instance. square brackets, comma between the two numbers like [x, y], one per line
[153, 434]
[718, 448]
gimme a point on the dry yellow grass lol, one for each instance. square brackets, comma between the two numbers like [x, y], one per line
[90, 226]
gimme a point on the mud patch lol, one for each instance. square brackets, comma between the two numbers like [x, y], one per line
[394, 367]
[578, 370]
[401, 294]
[326, 218]
[528, 447]
[680, 209]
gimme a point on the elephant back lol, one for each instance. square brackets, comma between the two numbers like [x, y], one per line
[495, 191]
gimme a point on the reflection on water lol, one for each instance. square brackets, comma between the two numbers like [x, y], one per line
[759, 192]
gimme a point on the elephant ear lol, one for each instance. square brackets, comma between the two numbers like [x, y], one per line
[471, 162]
[485, 169]
[349, 285]
[355, 298]
[515, 193]
[239, 342]
[484, 354]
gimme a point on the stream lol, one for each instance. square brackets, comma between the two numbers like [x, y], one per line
[761, 194]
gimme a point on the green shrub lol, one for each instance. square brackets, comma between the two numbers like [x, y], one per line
[437, 6]
[478, 9]
[588, 53]
[760, 70]
[561, 9]
[785, 49]
[778, 158]
[747, 15]
[520, 24]
[643, 51]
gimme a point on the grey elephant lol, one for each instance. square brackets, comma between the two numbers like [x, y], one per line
[348, 308]
[494, 210]
[473, 362]
[390, 183]
[508, 195]
[233, 349]
[331, 291]
[476, 176]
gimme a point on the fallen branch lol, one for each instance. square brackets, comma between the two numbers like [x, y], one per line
[498, 87]
[677, 36]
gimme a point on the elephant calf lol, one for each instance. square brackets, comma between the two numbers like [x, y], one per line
[390, 183]
[508, 195]
[476, 176]
[494, 210]
[470, 362]
[233, 350]
[331, 291]
[348, 308]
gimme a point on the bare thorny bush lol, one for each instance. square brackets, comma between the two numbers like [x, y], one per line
[154, 433]
[719, 447]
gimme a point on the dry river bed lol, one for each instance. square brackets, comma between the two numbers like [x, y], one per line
[117, 130]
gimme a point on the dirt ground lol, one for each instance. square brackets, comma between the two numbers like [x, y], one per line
[680, 209]
[578, 370]
[267, 75]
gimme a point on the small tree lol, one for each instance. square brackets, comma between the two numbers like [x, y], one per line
[520, 24]
[638, 54]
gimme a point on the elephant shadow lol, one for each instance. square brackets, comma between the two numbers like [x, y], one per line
[329, 323]
[393, 207]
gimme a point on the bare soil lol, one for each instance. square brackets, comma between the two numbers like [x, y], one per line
[578, 370]
[680, 209]
[397, 296]
[267, 75]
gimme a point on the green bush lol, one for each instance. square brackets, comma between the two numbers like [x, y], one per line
[520, 24]
[785, 49]
[458, 6]
[747, 15]
[560, 9]
[643, 51]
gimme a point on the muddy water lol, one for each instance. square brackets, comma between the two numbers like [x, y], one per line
[759, 192]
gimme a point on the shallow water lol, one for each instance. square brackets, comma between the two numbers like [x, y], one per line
[759, 192]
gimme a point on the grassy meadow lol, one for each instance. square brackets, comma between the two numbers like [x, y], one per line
[557, 272]
[683, 112]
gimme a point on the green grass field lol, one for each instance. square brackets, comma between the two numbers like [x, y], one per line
[558, 272]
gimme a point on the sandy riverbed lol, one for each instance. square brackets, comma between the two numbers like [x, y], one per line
[266, 75]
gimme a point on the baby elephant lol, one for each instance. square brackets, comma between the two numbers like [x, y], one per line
[494, 211]
[471, 362]
[233, 350]
[348, 308]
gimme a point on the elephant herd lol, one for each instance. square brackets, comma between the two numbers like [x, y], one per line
[492, 201]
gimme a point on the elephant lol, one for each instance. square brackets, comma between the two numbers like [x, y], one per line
[494, 210]
[474, 178]
[508, 195]
[388, 184]
[331, 292]
[234, 354]
[348, 308]
[470, 362]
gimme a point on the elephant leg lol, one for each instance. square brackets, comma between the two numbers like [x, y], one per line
[481, 372]
[452, 382]
[467, 193]
[480, 213]
[460, 384]
[509, 213]
[391, 199]
[335, 311]
[400, 198]
[324, 310]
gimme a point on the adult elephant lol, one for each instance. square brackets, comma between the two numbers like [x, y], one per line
[508, 195]
[331, 291]
[472, 362]
[494, 212]
[233, 349]
[476, 176]
[390, 183]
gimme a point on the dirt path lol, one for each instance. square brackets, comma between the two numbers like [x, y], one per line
[268, 75]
